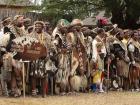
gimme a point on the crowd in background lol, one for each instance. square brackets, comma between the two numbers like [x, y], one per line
[78, 59]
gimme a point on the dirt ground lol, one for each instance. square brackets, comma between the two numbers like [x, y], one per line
[111, 98]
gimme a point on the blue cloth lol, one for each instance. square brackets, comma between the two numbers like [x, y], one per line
[93, 87]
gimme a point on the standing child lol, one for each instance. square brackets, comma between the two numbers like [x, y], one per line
[98, 71]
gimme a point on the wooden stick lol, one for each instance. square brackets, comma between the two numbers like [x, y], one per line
[23, 71]
[108, 81]
[51, 85]
[23, 79]
[27, 72]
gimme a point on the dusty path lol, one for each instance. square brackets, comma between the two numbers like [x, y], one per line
[111, 98]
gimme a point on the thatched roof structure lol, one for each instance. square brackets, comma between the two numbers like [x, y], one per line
[90, 21]
[16, 3]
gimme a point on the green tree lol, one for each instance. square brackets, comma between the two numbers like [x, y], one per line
[124, 12]
[70, 9]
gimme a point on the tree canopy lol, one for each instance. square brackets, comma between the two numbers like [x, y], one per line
[70, 8]
[124, 12]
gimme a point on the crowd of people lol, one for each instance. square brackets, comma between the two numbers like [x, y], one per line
[78, 59]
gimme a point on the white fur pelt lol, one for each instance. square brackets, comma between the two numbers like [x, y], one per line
[25, 40]
[9, 62]
[78, 82]
[49, 66]
[4, 39]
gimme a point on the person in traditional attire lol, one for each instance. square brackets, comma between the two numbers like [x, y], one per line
[97, 74]
[111, 38]
[6, 21]
[78, 79]
[16, 29]
[27, 23]
[99, 59]
[121, 58]
[127, 34]
[38, 71]
[48, 28]
[89, 36]
[134, 54]
[64, 54]
[110, 64]
[4, 73]
[81, 45]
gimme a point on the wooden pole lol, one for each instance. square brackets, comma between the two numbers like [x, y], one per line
[108, 81]
[23, 79]
[23, 71]
[51, 85]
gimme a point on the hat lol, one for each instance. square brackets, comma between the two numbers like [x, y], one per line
[100, 30]
[30, 27]
[63, 23]
[5, 19]
[39, 22]
[47, 23]
[119, 32]
[126, 30]
[27, 20]
[17, 16]
[76, 22]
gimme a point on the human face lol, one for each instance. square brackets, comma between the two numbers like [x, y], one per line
[103, 34]
[72, 29]
[126, 34]
[30, 30]
[47, 26]
[20, 21]
[63, 30]
[120, 35]
[78, 27]
[136, 36]
[99, 49]
[38, 28]
[27, 24]
[6, 23]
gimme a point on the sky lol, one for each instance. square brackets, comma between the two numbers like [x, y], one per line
[37, 1]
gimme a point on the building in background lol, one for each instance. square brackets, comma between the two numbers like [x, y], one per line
[18, 7]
